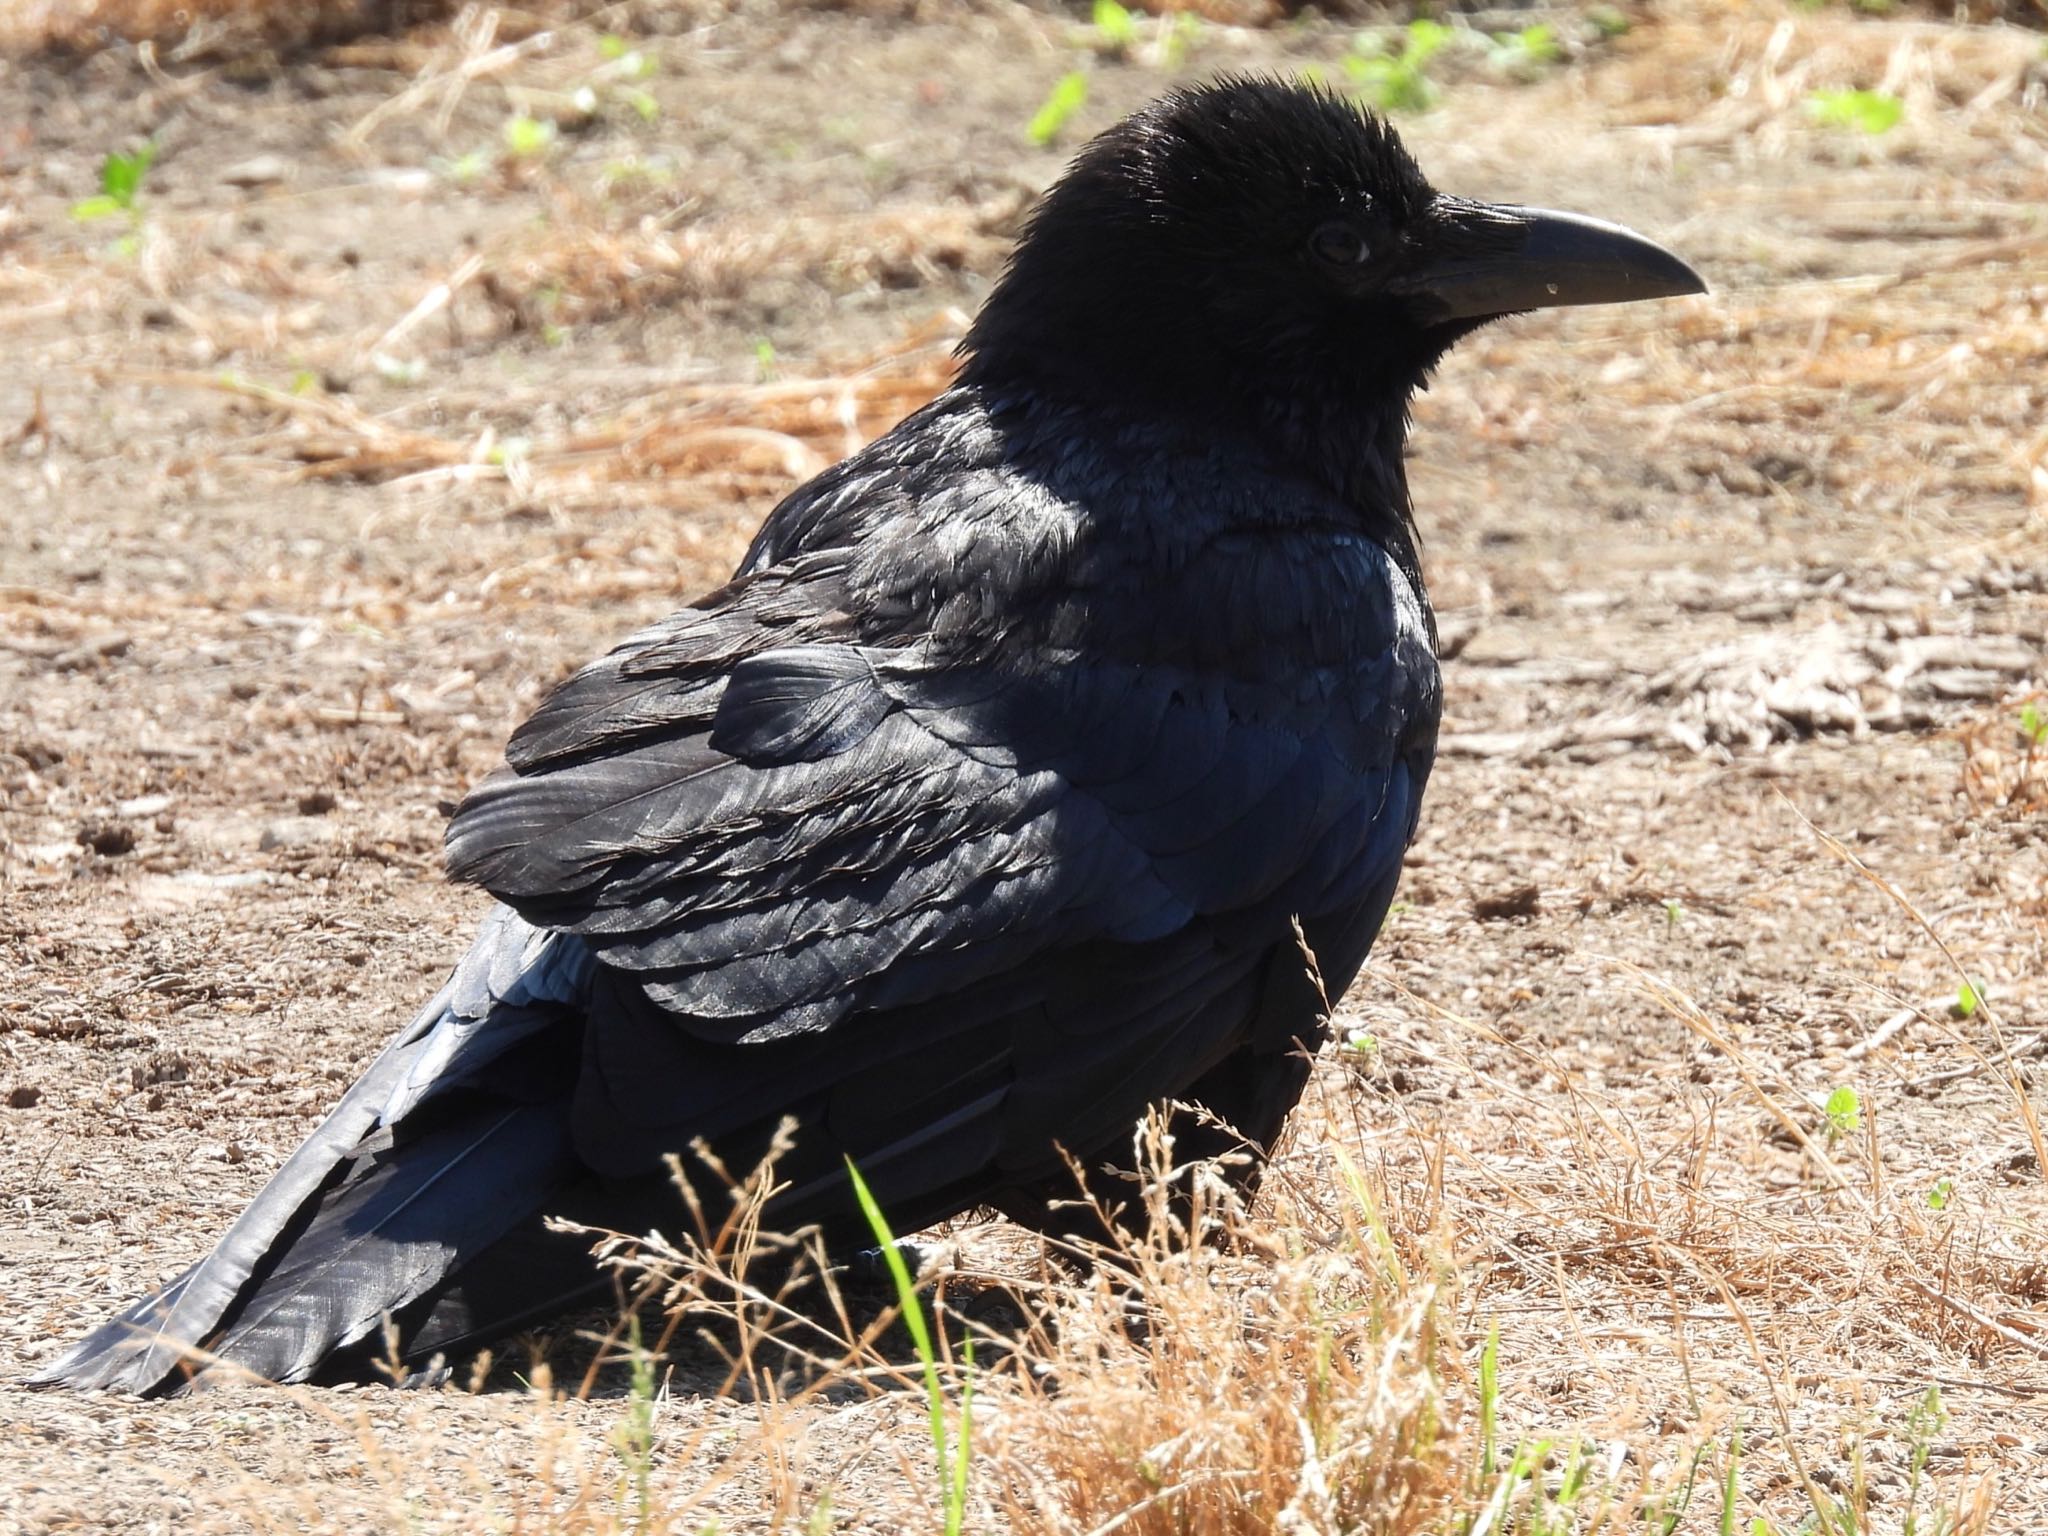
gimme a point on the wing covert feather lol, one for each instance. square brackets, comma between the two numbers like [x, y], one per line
[773, 815]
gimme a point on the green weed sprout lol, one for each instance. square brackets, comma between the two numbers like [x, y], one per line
[1396, 82]
[463, 169]
[528, 138]
[1183, 32]
[634, 1437]
[628, 62]
[1526, 53]
[1967, 1000]
[1731, 1484]
[1115, 27]
[953, 1470]
[1067, 97]
[1844, 1111]
[1927, 1420]
[120, 186]
[623, 65]
[1871, 112]
[1489, 1400]
[1117, 31]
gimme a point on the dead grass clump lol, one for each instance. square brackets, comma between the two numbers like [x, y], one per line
[2005, 760]
[1221, 1375]
[207, 28]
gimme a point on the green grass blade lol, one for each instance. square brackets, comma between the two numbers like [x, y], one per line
[1489, 1400]
[956, 1490]
[1068, 95]
[920, 1332]
[1731, 1485]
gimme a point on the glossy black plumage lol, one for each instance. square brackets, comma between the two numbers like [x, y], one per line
[981, 808]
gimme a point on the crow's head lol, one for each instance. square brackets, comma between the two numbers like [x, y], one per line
[1255, 248]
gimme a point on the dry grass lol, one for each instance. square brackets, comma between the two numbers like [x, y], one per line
[1662, 1304]
[228, 28]
[207, 28]
[2005, 762]
[1272, 1377]
[1313, 1366]
[216, 27]
[587, 272]
[748, 439]
[585, 269]
[1900, 385]
[1223, 1374]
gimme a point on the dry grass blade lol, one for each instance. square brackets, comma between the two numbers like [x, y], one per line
[330, 437]
[1982, 1319]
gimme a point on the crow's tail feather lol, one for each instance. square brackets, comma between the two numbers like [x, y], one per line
[456, 1135]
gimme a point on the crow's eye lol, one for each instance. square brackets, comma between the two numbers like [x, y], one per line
[1340, 244]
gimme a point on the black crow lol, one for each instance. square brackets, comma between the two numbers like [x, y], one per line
[1022, 777]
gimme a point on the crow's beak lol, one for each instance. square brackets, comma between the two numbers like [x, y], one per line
[1479, 260]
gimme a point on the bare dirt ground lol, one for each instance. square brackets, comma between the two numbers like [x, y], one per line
[384, 410]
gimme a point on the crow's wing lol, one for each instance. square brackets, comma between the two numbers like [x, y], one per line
[780, 832]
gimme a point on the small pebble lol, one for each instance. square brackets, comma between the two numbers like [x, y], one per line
[259, 171]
